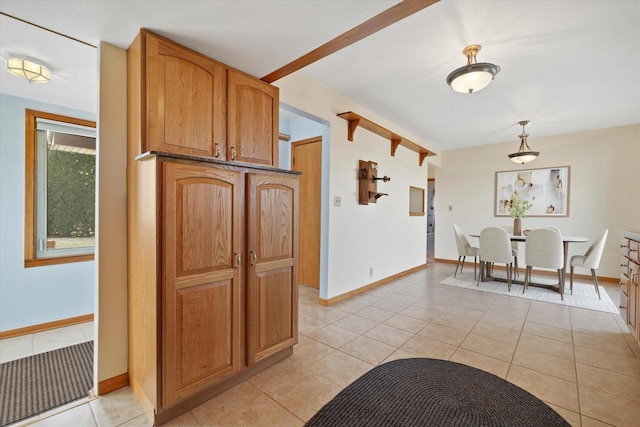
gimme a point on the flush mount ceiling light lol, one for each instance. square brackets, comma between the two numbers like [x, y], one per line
[524, 153]
[28, 68]
[474, 76]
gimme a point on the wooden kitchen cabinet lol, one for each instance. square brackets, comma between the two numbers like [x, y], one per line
[630, 281]
[189, 104]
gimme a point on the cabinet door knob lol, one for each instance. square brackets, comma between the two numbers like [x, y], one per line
[634, 279]
[233, 153]
[238, 260]
[217, 154]
[254, 258]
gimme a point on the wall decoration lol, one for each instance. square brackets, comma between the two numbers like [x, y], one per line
[547, 189]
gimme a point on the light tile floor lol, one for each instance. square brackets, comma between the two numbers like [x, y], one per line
[583, 363]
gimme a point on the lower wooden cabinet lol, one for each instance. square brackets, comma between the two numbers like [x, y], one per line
[212, 277]
[630, 281]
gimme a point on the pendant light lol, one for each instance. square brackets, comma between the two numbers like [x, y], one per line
[474, 76]
[29, 69]
[524, 153]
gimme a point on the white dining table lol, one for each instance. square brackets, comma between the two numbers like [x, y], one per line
[523, 238]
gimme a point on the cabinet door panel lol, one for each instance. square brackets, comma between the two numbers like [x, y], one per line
[186, 101]
[253, 120]
[634, 297]
[272, 290]
[201, 324]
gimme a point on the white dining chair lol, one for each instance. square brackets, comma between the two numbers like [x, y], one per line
[495, 246]
[590, 260]
[514, 247]
[464, 250]
[544, 249]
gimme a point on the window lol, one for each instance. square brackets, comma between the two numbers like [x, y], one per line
[59, 189]
[416, 201]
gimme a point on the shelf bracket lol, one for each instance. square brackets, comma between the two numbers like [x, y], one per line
[353, 125]
[395, 143]
[422, 157]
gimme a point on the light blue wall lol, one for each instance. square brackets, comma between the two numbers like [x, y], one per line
[303, 127]
[31, 296]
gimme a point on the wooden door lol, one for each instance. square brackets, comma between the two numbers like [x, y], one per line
[272, 289]
[307, 158]
[253, 120]
[201, 323]
[186, 101]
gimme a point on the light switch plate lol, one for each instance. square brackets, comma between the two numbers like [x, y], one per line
[337, 201]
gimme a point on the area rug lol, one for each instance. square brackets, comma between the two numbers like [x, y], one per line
[35, 384]
[433, 392]
[584, 295]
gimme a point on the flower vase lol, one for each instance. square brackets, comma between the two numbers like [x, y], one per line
[517, 226]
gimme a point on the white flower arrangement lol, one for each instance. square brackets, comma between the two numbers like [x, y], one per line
[517, 207]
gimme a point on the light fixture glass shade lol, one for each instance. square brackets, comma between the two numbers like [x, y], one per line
[473, 76]
[524, 153]
[29, 69]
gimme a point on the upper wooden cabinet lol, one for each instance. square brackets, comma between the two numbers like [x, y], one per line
[253, 120]
[186, 103]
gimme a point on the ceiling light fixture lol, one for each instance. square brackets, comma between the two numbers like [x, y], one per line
[524, 153]
[474, 76]
[28, 68]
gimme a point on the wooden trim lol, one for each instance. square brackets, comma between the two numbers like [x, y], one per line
[342, 297]
[112, 384]
[39, 262]
[382, 20]
[543, 272]
[46, 326]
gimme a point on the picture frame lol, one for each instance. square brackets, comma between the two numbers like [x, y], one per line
[547, 189]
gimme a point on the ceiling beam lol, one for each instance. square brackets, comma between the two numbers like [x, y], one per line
[382, 20]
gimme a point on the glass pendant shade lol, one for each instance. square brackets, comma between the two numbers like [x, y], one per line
[473, 76]
[524, 153]
[29, 69]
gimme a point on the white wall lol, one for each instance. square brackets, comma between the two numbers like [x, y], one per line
[35, 295]
[381, 236]
[604, 191]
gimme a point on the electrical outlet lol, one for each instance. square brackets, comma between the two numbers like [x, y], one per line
[371, 272]
[450, 208]
[337, 201]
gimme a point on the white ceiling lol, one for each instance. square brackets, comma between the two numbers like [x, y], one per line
[567, 66]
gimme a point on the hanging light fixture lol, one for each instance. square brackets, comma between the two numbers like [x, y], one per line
[28, 68]
[474, 76]
[524, 153]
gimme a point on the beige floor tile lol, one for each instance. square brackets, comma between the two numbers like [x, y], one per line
[443, 333]
[372, 313]
[116, 407]
[547, 320]
[545, 363]
[356, 324]
[457, 322]
[399, 354]
[244, 404]
[184, 420]
[309, 350]
[144, 421]
[547, 388]
[390, 305]
[57, 338]
[368, 350]
[406, 323]
[16, 348]
[551, 332]
[77, 416]
[426, 347]
[598, 343]
[590, 422]
[308, 323]
[489, 364]
[498, 333]
[421, 313]
[547, 346]
[474, 304]
[341, 368]
[620, 385]
[571, 417]
[350, 306]
[489, 347]
[519, 313]
[502, 321]
[611, 362]
[332, 335]
[607, 408]
[389, 335]
[407, 299]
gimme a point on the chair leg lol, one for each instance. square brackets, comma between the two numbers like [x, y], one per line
[474, 267]
[560, 284]
[527, 277]
[457, 265]
[509, 273]
[516, 262]
[595, 281]
[462, 265]
[571, 280]
[481, 274]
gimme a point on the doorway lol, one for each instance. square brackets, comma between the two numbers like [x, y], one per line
[306, 157]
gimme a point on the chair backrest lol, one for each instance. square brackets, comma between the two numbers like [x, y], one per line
[544, 249]
[594, 253]
[550, 227]
[509, 229]
[461, 240]
[495, 245]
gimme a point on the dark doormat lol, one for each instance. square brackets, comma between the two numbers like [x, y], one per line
[44, 381]
[432, 392]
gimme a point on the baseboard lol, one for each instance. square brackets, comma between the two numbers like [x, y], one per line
[46, 326]
[365, 288]
[544, 272]
[111, 384]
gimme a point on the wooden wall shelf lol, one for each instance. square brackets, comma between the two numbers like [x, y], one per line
[396, 140]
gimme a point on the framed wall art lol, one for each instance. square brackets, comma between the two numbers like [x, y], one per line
[547, 189]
